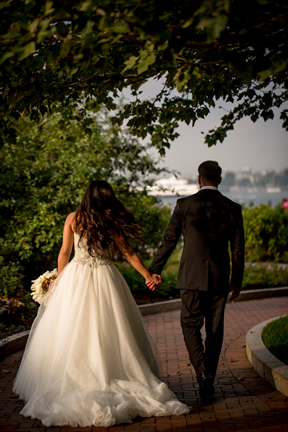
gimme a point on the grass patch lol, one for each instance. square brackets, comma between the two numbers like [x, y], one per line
[275, 338]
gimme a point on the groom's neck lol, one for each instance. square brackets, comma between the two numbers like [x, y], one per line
[206, 182]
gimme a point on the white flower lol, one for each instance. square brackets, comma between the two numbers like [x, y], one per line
[40, 286]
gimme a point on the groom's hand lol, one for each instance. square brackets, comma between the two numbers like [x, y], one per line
[153, 282]
[235, 292]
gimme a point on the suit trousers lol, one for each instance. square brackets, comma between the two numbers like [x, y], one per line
[195, 307]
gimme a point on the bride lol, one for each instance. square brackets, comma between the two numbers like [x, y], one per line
[88, 360]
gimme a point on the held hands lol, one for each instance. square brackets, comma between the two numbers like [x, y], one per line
[235, 292]
[153, 281]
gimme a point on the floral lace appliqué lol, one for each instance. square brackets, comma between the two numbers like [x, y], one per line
[82, 255]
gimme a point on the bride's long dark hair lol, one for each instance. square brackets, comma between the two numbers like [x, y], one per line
[101, 216]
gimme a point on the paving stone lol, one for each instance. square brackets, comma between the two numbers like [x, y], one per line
[243, 401]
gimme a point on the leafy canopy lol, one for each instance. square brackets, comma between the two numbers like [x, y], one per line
[57, 52]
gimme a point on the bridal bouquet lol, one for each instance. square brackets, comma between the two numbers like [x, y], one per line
[40, 286]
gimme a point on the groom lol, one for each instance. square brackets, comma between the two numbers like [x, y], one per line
[209, 222]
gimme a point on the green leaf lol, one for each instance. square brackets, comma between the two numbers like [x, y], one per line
[145, 62]
[6, 56]
[85, 5]
[88, 28]
[29, 49]
[267, 115]
[163, 46]
[185, 79]
[49, 7]
[188, 23]
[213, 26]
[33, 26]
[4, 4]
[130, 63]
[121, 27]
[149, 47]
[274, 70]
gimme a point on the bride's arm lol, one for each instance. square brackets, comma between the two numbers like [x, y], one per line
[136, 262]
[67, 244]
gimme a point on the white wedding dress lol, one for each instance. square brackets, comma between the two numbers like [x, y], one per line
[88, 360]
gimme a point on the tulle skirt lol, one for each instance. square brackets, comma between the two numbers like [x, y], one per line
[88, 360]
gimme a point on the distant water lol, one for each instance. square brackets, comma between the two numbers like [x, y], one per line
[242, 197]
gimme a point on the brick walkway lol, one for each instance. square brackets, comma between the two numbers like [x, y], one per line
[243, 401]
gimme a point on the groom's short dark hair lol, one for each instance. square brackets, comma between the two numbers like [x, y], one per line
[210, 170]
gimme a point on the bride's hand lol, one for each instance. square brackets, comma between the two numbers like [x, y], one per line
[52, 283]
[153, 281]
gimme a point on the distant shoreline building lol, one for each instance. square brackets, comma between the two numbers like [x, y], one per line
[239, 181]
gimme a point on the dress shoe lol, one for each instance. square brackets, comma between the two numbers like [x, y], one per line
[206, 392]
[206, 388]
[204, 379]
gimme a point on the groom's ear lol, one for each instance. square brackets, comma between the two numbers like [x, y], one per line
[220, 180]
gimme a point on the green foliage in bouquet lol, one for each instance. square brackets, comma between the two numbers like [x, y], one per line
[42, 179]
[266, 233]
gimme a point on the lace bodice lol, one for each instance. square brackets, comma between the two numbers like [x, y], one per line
[82, 255]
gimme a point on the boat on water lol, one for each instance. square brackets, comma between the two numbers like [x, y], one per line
[273, 189]
[173, 186]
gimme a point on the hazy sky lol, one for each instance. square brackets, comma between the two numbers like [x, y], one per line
[260, 146]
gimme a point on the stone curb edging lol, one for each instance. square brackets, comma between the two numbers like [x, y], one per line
[262, 293]
[172, 305]
[159, 307]
[18, 341]
[263, 361]
[13, 343]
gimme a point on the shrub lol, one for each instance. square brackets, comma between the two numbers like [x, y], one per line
[167, 288]
[42, 179]
[265, 276]
[266, 234]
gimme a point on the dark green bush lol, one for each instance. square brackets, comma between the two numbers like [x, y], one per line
[167, 288]
[266, 234]
[265, 276]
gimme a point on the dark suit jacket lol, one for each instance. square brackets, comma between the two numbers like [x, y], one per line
[208, 221]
